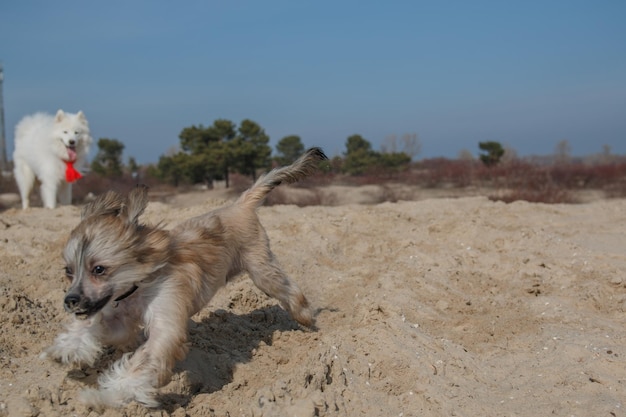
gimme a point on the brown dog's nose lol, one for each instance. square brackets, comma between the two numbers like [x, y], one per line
[71, 301]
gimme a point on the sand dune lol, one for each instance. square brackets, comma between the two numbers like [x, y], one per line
[437, 307]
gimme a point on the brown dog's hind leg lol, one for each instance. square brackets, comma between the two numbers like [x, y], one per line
[270, 278]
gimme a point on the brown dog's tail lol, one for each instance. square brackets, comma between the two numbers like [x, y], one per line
[302, 167]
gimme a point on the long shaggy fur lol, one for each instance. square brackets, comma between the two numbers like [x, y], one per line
[132, 284]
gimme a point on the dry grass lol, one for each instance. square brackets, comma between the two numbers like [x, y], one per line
[508, 182]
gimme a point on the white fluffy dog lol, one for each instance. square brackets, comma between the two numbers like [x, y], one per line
[50, 149]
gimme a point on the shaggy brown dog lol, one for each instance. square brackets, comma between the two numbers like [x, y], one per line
[131, 282]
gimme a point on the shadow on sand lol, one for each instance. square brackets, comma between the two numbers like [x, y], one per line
[219, 343]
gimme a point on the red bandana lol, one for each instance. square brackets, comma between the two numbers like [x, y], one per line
[71, 174]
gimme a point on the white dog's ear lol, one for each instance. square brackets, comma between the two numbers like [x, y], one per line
[81, 116]
[60, 116]
[137, 202]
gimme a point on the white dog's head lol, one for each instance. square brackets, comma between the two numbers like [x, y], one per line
[73, 131]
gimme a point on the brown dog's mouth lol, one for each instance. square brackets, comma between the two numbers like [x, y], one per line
[81, 316]
[90, 308]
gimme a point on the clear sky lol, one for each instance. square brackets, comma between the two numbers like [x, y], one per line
[525, 73]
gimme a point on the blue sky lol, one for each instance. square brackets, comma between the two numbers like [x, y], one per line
[526, 73]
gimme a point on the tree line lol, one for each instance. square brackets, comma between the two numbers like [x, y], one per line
[210, 153]
[213, 153]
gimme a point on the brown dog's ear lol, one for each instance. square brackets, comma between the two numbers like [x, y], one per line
[113, 204]
[110, 203]
[137, 202]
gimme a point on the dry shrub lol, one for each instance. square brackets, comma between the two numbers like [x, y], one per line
[576, 176]
[519, 180]
[616, 188]
[557, 183]
[443, 172]
[597, 176]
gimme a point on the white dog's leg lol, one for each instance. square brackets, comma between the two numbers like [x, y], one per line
[137, 376]
[65, 193]
[80, 345]
[49, 184]
[25, 178]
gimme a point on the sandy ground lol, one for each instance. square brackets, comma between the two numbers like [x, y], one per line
[439, 307]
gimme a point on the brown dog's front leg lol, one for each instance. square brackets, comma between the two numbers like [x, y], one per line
[138, 376]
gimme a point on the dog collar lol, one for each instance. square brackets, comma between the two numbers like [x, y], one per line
[127, 293]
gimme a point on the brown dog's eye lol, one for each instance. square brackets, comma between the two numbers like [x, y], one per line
[98, 270]
[68, 271]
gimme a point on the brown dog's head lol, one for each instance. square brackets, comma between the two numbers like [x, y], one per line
[110, 252]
